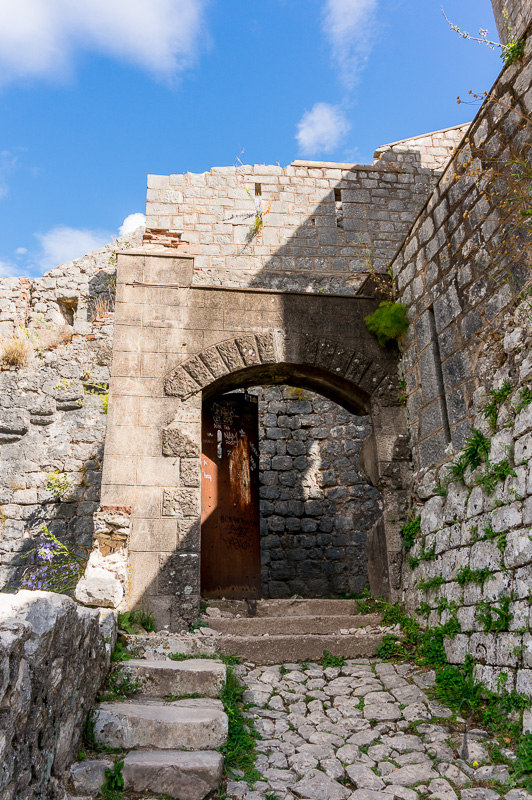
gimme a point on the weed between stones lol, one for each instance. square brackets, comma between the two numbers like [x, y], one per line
[457, 686]
[240, 750]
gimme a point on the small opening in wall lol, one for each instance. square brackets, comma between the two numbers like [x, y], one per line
[258, 190]
[313, 221]
[338, 208]
[68, 307]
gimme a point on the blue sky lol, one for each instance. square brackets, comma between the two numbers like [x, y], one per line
[93, 96]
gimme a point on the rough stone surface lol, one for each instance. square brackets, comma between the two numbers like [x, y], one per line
[183, 776]
[54, 657]
[317, 744]
[315, 505]
[180, 725]
[162, 678]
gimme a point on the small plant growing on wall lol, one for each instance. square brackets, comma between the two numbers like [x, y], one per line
[58, 568]
[57, 482]
[510, 52]
[260, 213]
[15, 350]
[388, 322]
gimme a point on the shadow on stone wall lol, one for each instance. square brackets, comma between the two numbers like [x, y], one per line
[315, 506]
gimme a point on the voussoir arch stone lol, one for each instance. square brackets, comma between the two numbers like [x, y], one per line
[236, 354]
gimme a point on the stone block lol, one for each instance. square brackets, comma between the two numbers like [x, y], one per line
[182, 776]
[523, 449]
[181, 503]
[99, 587]
[432, 515]
[518, 551]
[154, 536]
[89, 776]
[523, 422]
[178, 574]
[177, 678]
[182, 725]
[507, 517]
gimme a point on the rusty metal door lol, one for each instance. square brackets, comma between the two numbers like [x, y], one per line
[230, 526]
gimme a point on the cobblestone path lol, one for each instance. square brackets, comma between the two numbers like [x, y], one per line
[364, 731]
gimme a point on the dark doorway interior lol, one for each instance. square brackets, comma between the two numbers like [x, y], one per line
[230, 525]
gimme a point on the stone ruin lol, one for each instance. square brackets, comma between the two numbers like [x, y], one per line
[208, 305]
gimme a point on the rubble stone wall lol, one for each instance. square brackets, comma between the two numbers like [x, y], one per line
[54, 656]
[315, 507]
[469, 335]
[52, 408]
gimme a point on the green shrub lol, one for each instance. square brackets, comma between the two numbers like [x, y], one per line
[491, 410]
[139, 617]
[388, 322]
[424, 584]
[388, 648]
[494, 474]
[240, 750]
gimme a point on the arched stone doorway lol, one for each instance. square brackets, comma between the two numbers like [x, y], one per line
[285, 507]
[180, 345]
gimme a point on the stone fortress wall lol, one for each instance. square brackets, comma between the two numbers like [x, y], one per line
[315, 505]
[54, 656]
[459, 272]
[51, 417]
[519, 17]
[51, 412]
[323, 223]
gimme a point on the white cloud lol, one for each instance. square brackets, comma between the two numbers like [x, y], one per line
[131, 223]
[40, 38]
[350, 26]
[321, 129]
[20, 251]
[8, 270]
[62, 244]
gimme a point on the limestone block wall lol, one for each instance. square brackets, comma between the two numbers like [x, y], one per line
[460, 272]
[175, 344]
[453, 274]
[316, 507]
[519, 17]
[54, 657]
[323, 223]
[51, 411]
[432, 150]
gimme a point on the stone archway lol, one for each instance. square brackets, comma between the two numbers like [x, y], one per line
[338, 373]
[176, 344]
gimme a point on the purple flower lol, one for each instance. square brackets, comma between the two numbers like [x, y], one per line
[46, 552]
[483, 32]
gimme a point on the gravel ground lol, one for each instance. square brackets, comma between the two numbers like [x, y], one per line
[364, 731]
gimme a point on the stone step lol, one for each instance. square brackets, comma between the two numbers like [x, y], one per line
[264, 650]
[305, 625]
[204, 677]
[173, 773]
[285, 608]
[182, 725]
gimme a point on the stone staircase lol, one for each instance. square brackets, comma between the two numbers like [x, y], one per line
[172, 743]
[267, 632]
